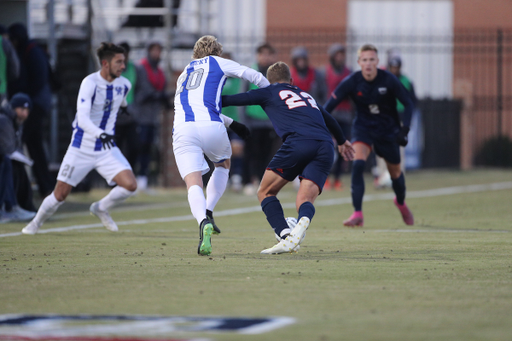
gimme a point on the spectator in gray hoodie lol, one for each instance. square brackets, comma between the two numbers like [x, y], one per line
[150, 99]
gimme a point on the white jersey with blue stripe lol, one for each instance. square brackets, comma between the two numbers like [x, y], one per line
[199, 88]
[98, 103]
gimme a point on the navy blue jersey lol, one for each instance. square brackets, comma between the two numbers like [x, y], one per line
[375, 101]
[293, 112]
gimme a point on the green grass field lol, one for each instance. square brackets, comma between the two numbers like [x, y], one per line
[449, 277]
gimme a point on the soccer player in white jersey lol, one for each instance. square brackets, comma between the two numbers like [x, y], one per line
[92, 145]
[199, 128]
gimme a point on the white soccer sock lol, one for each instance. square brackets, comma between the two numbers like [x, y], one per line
[116, 196]
[197, 203]
[48, 207]
[216, 187]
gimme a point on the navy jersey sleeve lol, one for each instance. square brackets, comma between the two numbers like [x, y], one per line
[405, 98]
[339, 94]
[333, 126]
[253, 97]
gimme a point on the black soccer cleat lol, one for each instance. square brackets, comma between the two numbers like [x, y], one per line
[205, 242]
[209, 215]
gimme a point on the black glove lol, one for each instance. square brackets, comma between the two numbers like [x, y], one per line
[240, 129]
[401, 137]
[107, 140]
[124, 111]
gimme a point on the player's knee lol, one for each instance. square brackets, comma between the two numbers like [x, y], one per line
[358, 166]
[261, 195]
[62, 191]
[131, 186]
[60, 196]
[394, 171]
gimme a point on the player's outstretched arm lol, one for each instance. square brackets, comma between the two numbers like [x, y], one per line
[333, 126]
[233, 69]
[239, 128]
[344, 146]
[253, 97]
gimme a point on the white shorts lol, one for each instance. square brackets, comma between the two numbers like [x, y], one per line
[193, 139]
[77, 164]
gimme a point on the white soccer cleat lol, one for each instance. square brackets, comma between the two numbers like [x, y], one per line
[291, 221]
[299, 231]
[105, 218]
[31, 228]
[284, 246]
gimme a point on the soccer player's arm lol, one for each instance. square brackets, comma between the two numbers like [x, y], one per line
[83, 109]
[235, 70]
[344, 146]
[333, 126]
[405, 98]
[239, 128]
[253, 97]
[339, 94]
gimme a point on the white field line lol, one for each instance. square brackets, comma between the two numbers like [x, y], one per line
[328, 202]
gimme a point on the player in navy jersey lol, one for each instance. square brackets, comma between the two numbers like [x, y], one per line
[377, 124]
[92, 146]
[307, 151]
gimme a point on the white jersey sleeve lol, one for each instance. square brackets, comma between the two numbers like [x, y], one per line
[235, 70]
[226, 120]
[83, 108]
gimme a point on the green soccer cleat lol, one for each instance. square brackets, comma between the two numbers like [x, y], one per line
[205, 234]
[209, 215]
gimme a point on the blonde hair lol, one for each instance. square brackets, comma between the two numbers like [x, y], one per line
[278, 72]
[207, 46]
[367, 47]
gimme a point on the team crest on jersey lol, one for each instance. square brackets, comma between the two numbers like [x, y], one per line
[382, 91]
[119, 90]
[128, 327]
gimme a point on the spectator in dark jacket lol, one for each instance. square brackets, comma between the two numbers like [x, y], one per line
[12, 116]
[150, 98]
[34, 80]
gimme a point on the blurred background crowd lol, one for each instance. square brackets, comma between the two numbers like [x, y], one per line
[454, 57]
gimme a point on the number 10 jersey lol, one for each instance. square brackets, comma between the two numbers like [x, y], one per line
[199, 88]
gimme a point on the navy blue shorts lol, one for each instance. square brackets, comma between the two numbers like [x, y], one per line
[384, 143]
[308, 159]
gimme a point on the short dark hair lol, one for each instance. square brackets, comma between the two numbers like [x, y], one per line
[278, 72]
[125, 46]
[107, 51]
[266, 46]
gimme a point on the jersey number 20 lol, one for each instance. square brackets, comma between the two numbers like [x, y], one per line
[293, 100]
[193, 81]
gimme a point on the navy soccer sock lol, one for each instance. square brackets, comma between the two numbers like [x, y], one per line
[307, 210]
[237, 165]
[275, 215]
[399, 188]
[357, 187]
